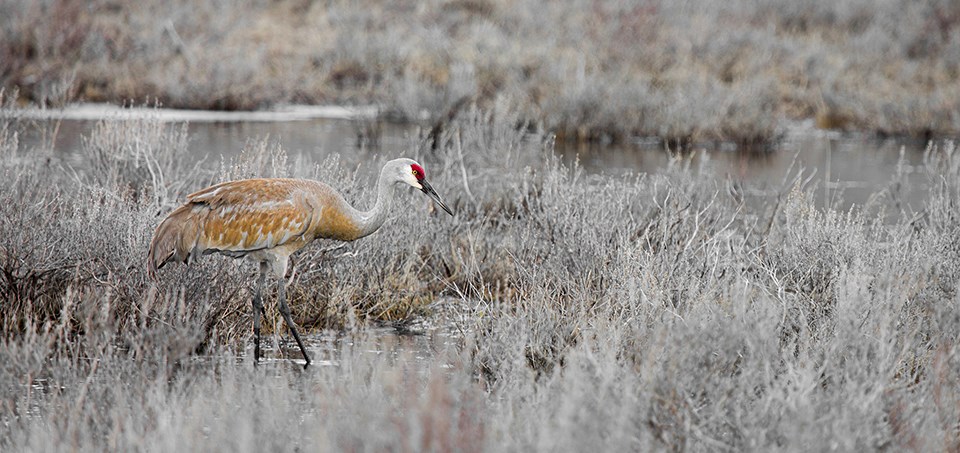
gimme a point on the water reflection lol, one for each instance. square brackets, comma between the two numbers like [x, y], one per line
[327, 348]
[420, 342]
[849, 168]
[845, 170]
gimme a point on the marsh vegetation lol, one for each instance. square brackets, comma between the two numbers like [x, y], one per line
[685, 72]
[677, 310]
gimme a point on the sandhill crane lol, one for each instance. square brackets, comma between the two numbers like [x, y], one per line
[267, 220]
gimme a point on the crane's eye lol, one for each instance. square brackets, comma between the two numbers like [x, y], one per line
[417, 171]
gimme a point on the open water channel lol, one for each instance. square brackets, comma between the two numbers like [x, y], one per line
[841, 166]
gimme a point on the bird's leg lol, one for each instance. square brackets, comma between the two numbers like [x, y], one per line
[257, 311]
[285, 311]
[292, 272]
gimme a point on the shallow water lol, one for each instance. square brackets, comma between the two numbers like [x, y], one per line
[420, 343]
[851, 165]
[420, 350]
[845, 169]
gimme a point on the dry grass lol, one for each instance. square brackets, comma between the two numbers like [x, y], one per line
[607, 70]
[670, 311]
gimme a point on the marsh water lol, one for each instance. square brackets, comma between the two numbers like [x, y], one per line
[844, 169]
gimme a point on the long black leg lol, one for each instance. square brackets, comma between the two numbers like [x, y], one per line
[285, 311]
[257, 311]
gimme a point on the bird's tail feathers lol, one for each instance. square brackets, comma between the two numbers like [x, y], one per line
[173, 240]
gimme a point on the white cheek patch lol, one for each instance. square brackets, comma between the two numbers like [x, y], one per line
[412, 180]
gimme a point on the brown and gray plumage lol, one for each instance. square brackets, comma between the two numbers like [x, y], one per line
[267, 220]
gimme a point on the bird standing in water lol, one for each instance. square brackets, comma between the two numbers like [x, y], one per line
[267, 220]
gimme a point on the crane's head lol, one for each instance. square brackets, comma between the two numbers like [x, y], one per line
[411, 173]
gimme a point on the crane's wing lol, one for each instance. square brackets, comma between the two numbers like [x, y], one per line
[240, 217]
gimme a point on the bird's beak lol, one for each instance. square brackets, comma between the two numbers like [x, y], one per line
[427, 189]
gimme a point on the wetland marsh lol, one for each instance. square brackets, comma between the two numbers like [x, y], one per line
[737, 234]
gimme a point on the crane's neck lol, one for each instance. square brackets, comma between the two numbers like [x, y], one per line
[371, 220]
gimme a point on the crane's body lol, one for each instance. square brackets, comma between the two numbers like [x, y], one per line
[261, 219]
[266, 220]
